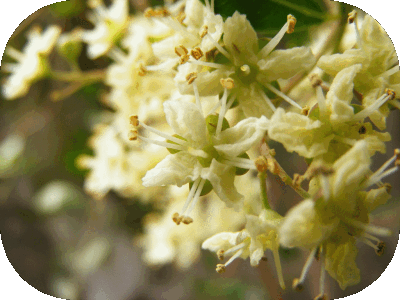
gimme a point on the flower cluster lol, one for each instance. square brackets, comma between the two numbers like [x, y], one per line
[197, 100]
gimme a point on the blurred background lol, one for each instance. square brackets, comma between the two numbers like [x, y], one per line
[66, 244]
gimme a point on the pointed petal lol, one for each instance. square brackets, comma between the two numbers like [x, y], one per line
[175, 169]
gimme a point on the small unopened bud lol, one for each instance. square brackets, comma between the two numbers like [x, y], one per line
[191, 77]
[381, 249]
[291, 23]
[181, 50]
[203, 31]
[220, 268]
[196, 53]
[227, 83]
[220, 254]
[352, 16]
[297, 285]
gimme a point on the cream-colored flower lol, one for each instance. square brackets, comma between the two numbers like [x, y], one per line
[260, 234]
[338, 214]
[110, 24]
[203, 151]
[251, 68]
[31, 62]
[379, 70]
[164, 242]
[332, 126]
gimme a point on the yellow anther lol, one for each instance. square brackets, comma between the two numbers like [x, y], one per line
[220, 254]
[191, 77]
[203, 31]
[187, 220]
[183, 59]
[197, 53]
[220, 268]
[315, 80]
[133, 135]
[261, 164]
[305, 110]
[161, 12]
[181, 17]
[381, 249]
[391, 93]
[227, 83]
[321, 297]
[362, 129]
[352, 16]
[245, 69]
[388, 187]
[397, 153]
[142, 70]
[181, 50]
[297, 285]
[291, 23]
[134, 120]
[149, 12]
[176, 218]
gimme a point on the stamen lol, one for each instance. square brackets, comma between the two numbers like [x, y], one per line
[321, 101]
[203, 31]
[278, 268]
[206, 64]
[162, 134]
[325, 187]
[298, 283]
[282, 95]
[368, 228]
[248, 166]
[212, 6]
[161, 143]
[220, 268]
[117, 55]
[207, 4]
[236, 255]
[191, 77]
[196, 196]
[322, 277]
[218, 46]
[245, 69]
[184, 59]
[381, 173]
[181, 50]
[381, 249]
[191, 194]
[291, 20]
[168, 64]
[197, 53]
[352, 19]
[197, 96]
[14, 53]
[142, 70]
[227, 83]
[390, 72]
[222, 111]
[275, 40]
[220, 254]
[269, 102]
[235, 248]
[9, 67]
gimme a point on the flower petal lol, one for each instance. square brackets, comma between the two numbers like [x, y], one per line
[241, 137]
[175, 169]
[186, 119]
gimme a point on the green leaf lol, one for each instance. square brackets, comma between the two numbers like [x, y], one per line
[268, 16]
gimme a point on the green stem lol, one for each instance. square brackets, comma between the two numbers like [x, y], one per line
[263, 187]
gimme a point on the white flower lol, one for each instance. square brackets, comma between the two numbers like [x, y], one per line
[260, 234]
[333, 121]
[31, 62]
[110, 24]
[250, 68]
[203, 155]
[377, 57]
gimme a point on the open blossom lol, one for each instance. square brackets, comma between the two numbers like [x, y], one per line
[31, 62]
[375, 53]
[338, 214]
[110, 23]
[334, 120]
[252, 69]
[260, 234]
[202, 153]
